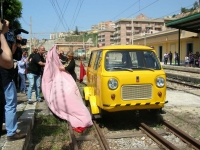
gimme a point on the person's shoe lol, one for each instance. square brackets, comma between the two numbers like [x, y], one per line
[16, 136]
[39, 100]
[30, 101]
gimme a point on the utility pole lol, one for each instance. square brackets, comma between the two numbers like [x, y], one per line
[132, 31]
[83, 42]
[96, 40]
[30, 35]
[145, 42]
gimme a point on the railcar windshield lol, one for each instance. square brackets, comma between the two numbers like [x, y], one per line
[131, 60]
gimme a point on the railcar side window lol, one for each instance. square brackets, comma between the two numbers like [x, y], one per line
[91, 58]
[98, 59]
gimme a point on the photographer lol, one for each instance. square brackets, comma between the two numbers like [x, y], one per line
[10, 93]
[5, 62]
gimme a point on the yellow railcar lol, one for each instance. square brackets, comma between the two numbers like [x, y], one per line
[124, 77]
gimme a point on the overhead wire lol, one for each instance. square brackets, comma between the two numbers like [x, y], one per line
[78, 12]
[53, 4]
[58, 22]
[62, 16]
[74, 14]
[126, 9]
[143, 8]
[25, 21]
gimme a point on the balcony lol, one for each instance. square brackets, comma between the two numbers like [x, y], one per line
[128, 31]
[149, 26]
[128, 25]
[158, 26]
[116, 38]
[137, 25]
[117, 26]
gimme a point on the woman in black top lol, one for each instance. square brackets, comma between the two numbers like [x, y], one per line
[69, 66]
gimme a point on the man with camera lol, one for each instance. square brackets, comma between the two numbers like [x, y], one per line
[5, 62]
[10, 94]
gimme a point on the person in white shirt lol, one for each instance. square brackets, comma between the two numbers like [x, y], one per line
[22, 65]
[165, 58]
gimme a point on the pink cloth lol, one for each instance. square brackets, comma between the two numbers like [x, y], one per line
[62, 94]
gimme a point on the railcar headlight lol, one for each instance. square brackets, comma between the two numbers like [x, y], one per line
[160, 82]
[112, 84]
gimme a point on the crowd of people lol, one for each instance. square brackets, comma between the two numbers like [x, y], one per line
[191, 60]
[169, 56]
[15, 67]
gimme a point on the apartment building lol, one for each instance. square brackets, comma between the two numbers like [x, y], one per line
[105, 37]
[106, 25]
[127, 29]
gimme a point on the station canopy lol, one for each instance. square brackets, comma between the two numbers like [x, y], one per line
[189, 23]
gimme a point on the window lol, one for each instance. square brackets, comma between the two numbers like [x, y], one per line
[91, 58]
[131, 59]
[98, 59]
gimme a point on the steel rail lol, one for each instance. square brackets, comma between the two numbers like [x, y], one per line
[182, 135]
[73, 138]
[157, 138]
[186, 84]
[102, 137]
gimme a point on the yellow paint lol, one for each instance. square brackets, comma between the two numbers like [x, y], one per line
[98, 92]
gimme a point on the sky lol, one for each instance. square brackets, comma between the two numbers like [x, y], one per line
[47, 16]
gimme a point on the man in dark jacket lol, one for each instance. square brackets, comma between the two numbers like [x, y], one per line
[34, 74]
[170, 57]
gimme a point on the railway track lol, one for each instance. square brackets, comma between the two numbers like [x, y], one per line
[99, 136]
[160, 141]
[183, 83]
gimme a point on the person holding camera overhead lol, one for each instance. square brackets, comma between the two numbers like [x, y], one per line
[8, 87]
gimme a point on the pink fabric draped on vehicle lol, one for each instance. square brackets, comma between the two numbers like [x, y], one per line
[62, 94]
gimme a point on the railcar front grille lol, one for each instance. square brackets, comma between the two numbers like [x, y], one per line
[133, 92]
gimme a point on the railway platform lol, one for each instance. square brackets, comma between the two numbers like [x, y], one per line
[188, 74]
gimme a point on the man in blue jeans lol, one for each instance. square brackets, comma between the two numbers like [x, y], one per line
[5, 62]
[9, 92]
[34, 74]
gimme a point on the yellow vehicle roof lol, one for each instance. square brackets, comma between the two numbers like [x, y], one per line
[120, 47]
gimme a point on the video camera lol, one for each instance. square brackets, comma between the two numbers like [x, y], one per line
[11, 36]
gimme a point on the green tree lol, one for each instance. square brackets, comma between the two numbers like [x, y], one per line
[195, 5]
[12, 11]
[184, 10]
[76, 31]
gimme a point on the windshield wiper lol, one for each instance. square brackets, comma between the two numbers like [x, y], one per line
[113, 68]
[139, 67]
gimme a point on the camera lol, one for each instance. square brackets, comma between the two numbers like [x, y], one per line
[11, 36]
